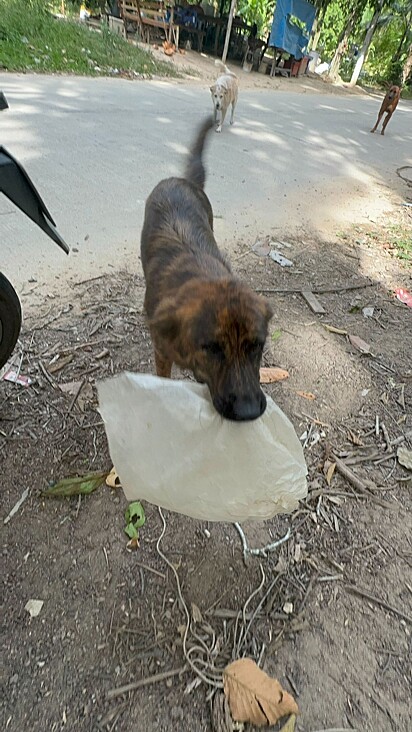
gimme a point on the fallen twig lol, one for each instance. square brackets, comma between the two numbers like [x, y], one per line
[17, 505]
[386, 437]
[113, 693]
[378, 601]
[47, 375]
[317, 290]
[358, 483]
[76, 396]
[151, 569]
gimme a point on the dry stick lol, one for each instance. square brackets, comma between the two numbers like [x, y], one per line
[47, 375]
[378, 601]
[76, 396]
[151, 569]
[358, 483]
[386, 437]
[113, 693]
[318, 290]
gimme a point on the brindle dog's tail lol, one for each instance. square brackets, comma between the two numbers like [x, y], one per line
[195, 171]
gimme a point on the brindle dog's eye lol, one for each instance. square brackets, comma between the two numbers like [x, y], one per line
[213, 348]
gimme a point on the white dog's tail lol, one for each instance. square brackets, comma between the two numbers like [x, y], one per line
[195, 171]
[224, 68]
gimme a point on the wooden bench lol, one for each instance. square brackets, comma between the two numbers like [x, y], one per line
[146, 15]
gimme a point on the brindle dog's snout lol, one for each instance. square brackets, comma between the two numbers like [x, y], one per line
[241, 408]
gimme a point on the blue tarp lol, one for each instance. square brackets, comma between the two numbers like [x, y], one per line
[287, 35]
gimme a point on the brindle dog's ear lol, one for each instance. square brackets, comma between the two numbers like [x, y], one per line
[266, 309]
[213, 88]
[165, 322]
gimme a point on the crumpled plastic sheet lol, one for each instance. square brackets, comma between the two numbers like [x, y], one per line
[170, 447]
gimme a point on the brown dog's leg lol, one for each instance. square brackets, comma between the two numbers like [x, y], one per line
[163, 365]
[388, 116]
[380, 115]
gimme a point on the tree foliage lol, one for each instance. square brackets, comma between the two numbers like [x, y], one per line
[343, 25]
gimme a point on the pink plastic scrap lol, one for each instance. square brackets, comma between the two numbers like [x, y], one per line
[404, 296]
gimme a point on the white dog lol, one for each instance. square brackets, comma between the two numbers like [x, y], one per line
[224, 92]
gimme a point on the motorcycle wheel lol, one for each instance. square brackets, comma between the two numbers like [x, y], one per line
[10, 319]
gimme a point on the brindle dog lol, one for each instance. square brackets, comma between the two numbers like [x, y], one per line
[200, 316]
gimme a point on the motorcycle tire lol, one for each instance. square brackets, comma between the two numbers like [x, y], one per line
[10, 319]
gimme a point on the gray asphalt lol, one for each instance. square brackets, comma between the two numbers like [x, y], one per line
[96, 147]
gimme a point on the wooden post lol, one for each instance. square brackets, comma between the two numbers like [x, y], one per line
[228, 30]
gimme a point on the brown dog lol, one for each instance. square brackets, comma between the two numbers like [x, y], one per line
[389, 105]
[200, 316]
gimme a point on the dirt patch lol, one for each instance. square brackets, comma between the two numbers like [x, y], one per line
[111, 617]
[196, 67]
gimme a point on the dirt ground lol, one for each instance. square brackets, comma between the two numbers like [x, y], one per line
[195, 67]
[111, 617]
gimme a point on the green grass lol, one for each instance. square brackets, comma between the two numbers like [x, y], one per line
[31, 39]
[401, 243]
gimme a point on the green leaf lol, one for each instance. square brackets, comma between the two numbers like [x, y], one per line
[276, 335]
[135, 519]
[76, 486]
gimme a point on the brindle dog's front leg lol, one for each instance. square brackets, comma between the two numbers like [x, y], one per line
[163, 365]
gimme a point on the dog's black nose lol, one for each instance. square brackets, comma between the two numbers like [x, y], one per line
[243, 408]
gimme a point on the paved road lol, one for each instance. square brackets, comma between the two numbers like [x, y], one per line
[96, 147]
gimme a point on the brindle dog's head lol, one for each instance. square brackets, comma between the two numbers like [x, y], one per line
[217, 329]
[393, 92]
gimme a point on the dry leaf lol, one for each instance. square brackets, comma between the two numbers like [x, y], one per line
[272, 374]
[306, 395]
[329, 473]
[34, 607]
[332, 329]
[196, 614]
[85, 395]
[405, 457]
[359, 344]
[59, 364]
[290, 724]
[133, 544]
[355, 439]
[113, 480]
[281, 565]
[255, 697]
[71, 387]
[261, 248]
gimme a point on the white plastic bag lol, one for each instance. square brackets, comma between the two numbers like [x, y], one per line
[170, 447]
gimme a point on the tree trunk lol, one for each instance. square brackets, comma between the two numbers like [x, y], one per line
[366, 43]
[407, 67]
[316, 29]
[343, 43]
[398, 53]
[229, 29]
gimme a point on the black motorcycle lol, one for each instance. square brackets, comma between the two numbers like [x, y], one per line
[17, 186]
